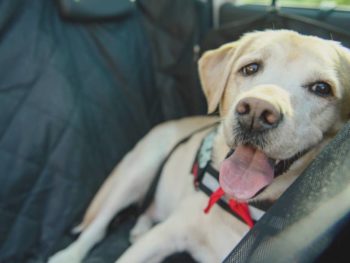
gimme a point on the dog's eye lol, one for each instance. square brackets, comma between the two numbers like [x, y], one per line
[250, 69]
[321, 88]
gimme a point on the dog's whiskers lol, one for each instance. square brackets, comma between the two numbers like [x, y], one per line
[253, 138]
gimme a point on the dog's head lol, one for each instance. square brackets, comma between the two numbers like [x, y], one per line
[280, 95]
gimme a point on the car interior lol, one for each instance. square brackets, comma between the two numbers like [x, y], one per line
[82, 81]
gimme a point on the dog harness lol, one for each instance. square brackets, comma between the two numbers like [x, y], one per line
[206, 179]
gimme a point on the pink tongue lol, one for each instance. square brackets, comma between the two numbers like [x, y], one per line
[245, 172]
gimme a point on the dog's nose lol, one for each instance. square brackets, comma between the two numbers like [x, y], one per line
[257, 114]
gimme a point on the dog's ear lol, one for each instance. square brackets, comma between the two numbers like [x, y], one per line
[214, 71]
[344, 76]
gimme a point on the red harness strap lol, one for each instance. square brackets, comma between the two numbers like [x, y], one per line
[215, 196]
[195, 169]
[241, 209]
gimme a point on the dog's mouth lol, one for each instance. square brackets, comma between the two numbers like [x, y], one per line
[247, 171]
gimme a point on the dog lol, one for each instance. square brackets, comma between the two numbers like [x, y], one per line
[281, 97]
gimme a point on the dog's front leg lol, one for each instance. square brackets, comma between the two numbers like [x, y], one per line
[184, 230]
[127, 184]
[161, 241]
[96, 230]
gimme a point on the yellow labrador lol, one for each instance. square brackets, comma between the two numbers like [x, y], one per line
[281, 97]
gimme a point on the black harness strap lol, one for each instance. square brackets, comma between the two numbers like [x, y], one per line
[152, 190]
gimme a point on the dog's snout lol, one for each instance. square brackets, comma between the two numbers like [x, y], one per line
[257, 114]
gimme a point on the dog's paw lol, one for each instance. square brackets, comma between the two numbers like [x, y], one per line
[143, 224]
[77, 229]
[68, 255]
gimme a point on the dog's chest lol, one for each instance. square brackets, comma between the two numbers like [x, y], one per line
[177, 182]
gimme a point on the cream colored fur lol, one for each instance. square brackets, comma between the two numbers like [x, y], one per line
[290, 61]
